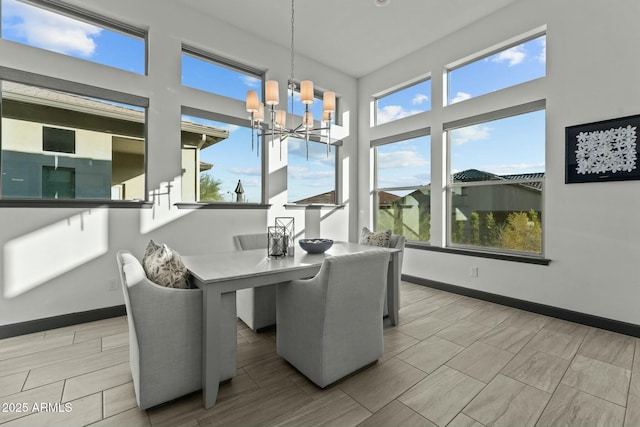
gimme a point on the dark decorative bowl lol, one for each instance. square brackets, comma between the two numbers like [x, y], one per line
[315, 246]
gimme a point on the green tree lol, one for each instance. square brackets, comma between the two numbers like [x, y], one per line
[475, 228]
[523, 232]
[458, 231]
[491, 235]
[210, 188]
[425, 226]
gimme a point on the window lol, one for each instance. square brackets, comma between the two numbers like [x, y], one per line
[204, 71]
[216, 158]
[402, 189]
[311, 174]
[404, 102]
[517, 64]
[61, 145]
[59, 140]
[73, 32]
[496, 183]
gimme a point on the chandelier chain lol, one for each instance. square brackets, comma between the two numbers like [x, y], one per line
[292, 85]
[292, 41]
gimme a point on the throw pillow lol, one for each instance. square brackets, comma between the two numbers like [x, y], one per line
[164, 266]
[368, 237]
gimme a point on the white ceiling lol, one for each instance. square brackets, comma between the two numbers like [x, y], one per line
[354, 36]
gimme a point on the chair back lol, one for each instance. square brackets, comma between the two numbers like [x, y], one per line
[397, 241]
[245, 242]
[355, 286]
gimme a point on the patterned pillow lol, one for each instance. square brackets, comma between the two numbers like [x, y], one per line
[164, 266]
[368, 237]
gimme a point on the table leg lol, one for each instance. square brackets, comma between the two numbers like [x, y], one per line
[393, 288]
[210, 345]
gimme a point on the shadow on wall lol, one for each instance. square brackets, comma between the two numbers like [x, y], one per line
[39, 256]
[34, 258]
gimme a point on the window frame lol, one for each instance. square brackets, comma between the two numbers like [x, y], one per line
[374, 144]
[450, 186]
[396, 89]
[223, 62]
[336, 149]
[186, 110]
[485, 53]
[80, 89]
[92, 18]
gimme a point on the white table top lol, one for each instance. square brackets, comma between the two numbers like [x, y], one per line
[224, 266]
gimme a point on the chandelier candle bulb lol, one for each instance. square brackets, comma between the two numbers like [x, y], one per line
[272, 94]
[308, 119]
[306, 92]
[252, 101]
[329, 102]
[281, 117]
[259, 115]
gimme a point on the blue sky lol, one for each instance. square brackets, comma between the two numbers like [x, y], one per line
[514, 145]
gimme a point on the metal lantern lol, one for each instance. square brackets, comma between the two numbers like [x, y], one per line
[276, 247]
[289, 233]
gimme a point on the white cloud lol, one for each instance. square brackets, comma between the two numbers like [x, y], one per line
[308, 173]
[460, 96]
[543, 53]
[419, 99]
[317, 151]
[51, 31]
[515, 168]
[246, 171]
[250, 81]
[470, 134]
[404, 181]
[400, 159]
[513, 56]
[390, 113]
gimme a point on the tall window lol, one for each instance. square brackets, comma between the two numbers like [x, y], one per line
[496, 183]
[508, 67]
[73, 32]
[402, 189]
[404, 102]
[311, 174]
[217, 162]
[207, 72]
[58, 145]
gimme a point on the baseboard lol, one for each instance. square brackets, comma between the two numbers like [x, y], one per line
[547, 310]
[54, 322]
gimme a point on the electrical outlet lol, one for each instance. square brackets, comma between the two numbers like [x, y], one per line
[112, 285]
[473, 271]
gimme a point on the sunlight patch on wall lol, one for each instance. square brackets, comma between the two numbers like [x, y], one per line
[163, 210]
[37, 257]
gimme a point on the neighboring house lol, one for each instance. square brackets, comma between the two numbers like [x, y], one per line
[61, 146]
[408, 215]
[327, 198]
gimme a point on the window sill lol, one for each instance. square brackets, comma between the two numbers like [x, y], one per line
[220, 205]
[77, 203]
[294, 206]
[480, 254]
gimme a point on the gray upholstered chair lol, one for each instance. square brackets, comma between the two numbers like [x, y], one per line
[165, 335]
[396, 241]
[256, 306]
[331, 325]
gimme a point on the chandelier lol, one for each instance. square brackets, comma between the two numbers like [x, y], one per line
[277, 126]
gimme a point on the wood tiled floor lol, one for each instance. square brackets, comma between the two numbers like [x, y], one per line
[452, 361]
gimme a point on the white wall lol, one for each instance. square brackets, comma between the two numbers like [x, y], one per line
[591, 233]
[56, 261]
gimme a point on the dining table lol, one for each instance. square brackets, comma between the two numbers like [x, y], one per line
[217, 273]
